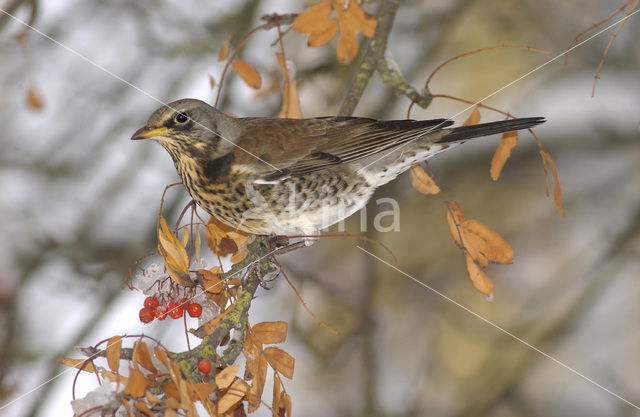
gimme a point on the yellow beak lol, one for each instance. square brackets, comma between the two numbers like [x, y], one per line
[146, 133]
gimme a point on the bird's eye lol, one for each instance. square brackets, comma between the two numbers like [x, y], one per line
[181, 118]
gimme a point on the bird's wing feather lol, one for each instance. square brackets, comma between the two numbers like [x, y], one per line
[297, 148]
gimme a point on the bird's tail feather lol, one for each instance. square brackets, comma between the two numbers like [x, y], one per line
[484, 129]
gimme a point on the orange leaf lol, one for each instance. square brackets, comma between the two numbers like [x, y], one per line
[212, 81]
[142, 356]
[175, 256]
[248, 74]
[277, 391]
[143, 408]
[211, 281]
[225, 377]
[280, 360]
[455, 217]
[422, 181]
[161, 355]
[239, 256]
[557, 189]
[197, 243]
[269, 332]
[257, 387]
[313, 17]
[347, 45]
[34, 100]
[479, 279]
[489, 243]
[210, 326]
[507, 143]
[204, 389]
[474, 118]
[355, 17]
[480, 242]
[323, 33]
[224, 50]
[113, 353]
[137, 384]
[77, 363]
[223, 227]
[233, 396]
[290, 100]
[285, 404]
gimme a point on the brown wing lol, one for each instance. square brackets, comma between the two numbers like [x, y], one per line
[300, 146]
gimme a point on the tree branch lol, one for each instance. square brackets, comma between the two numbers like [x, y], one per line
[375, 60]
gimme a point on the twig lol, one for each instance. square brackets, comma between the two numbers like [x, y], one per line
[373, 55]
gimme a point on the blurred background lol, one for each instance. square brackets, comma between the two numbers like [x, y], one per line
[78, 205]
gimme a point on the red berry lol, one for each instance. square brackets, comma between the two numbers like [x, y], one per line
[160, 313]
[175, 310]
[194, 309]
[151, 302]
[204, 366]
[146, 315]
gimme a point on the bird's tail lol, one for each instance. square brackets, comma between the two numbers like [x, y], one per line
[462, 133]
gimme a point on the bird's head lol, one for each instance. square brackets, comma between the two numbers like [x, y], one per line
[186, 127]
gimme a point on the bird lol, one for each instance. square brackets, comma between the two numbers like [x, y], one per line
[286, 177]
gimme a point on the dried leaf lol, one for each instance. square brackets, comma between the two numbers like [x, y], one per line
[225, 377]
[204, 389]
[478, 240]
[33, 99]
[210, 326]
[479, 279]
[280, 360]
[227, 246]
[557, 189]
[233, 396]
[473, 119]
[248, 73]
[185, 236]
[212, 81]
[113, 353]
[355, 17]
[254, 394]
[142, 356]
[239, 255]
[507, 143]
[224, 50]
[113, 377]
[455, 217]
[211, 281]
[143, 408]
[422, 181]
[313, 17]
[277, 391]
[197, 243]
[269, 332]
[324, 33]
[77, 363]
[290, 100]
[347, 44]
[489, 243]
[175, 256]
[285, 404]
[137, 384]
[161, 355]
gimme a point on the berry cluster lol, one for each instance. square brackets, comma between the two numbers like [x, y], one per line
[174, 309]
